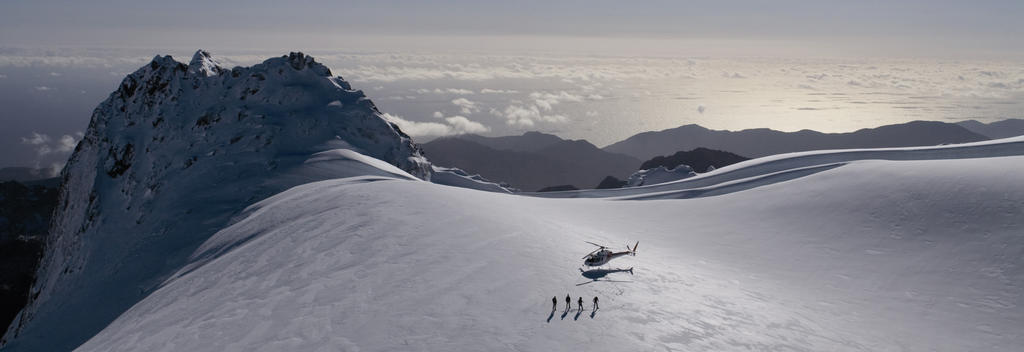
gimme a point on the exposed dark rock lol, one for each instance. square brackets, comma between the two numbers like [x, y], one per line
[558, 188]
[698, 159]
[121, 162]
[610, 182]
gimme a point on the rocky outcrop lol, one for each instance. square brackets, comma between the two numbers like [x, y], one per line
[702, 159]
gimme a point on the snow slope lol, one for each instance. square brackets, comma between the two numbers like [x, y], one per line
[916, 254]
[782, 167]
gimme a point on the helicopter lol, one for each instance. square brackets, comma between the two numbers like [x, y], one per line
[602, 255]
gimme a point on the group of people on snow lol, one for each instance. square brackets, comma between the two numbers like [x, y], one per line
[568, 302]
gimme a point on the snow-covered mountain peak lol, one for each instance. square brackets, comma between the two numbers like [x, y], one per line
[300, 61]
[173, 154]
[283, 85]
[163, 61]
[203, 64]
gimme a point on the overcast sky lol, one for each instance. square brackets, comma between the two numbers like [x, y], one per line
[987, 28]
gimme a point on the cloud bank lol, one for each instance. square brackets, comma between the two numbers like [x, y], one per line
[52, 153]
[452, 125]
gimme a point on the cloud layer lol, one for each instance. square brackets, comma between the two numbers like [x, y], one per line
[44, 145]
[51, 153]
[452, 125]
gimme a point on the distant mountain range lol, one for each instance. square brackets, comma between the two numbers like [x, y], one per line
[531, 161]
[534, 161]
[995, 130]
[22, 174]
[527, 142]
[760, 142]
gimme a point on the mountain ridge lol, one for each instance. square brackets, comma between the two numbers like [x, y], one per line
[759, 142]
[644, 146]
[173, 154]
[531, 161]
[997, 129]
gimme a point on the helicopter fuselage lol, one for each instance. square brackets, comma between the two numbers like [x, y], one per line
[602, 257]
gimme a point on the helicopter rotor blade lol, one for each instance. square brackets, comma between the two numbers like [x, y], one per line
[594, 244]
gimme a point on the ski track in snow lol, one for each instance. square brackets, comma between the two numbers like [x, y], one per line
[810, 252]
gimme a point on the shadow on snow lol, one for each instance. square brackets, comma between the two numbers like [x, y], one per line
[599, 274]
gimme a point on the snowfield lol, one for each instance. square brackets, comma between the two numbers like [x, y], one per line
[844, 252]
[275, 208]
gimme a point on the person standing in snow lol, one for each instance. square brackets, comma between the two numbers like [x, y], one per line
[580, 302]
[568, 302]
[554, 302]
[595, 302]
